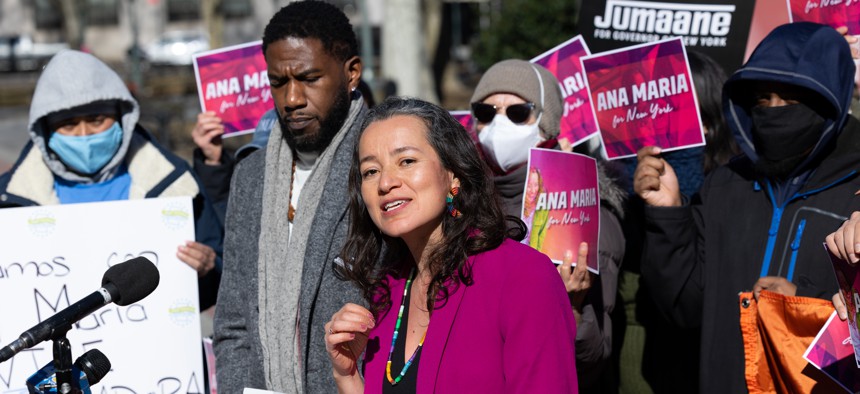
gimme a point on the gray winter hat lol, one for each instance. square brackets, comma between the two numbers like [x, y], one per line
[520, 77]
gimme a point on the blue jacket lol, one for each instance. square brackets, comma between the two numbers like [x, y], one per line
[742, 226]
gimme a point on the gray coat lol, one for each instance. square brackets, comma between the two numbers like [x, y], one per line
[237, 341]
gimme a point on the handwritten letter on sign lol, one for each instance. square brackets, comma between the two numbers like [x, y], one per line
[52, 256]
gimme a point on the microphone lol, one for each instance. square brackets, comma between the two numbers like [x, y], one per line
[123, 284]
[89, 369]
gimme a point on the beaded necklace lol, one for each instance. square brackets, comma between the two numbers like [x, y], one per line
[291, 212]
[403, 305]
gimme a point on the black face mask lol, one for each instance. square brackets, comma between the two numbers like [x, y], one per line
[784, 136]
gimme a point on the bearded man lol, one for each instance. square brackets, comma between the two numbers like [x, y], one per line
[286, 216]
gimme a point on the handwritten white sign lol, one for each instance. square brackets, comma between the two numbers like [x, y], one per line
[52, 256]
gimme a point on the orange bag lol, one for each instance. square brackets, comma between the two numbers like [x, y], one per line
[777, 330]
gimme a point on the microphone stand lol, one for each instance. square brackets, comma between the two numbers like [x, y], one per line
[63, 363]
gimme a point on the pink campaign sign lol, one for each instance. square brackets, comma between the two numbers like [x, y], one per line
[577, 121]
[848, 277]
[465, 119]
[561, 204]
[832, 353]
[643, 95]
[233, 83]
[834, 13]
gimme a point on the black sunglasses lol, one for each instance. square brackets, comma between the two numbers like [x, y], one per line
[517, 113]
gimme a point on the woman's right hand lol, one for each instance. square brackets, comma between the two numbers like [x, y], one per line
[346, 338]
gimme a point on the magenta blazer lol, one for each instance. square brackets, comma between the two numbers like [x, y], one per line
[511, 331]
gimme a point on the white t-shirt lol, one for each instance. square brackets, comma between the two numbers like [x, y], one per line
[305, 162]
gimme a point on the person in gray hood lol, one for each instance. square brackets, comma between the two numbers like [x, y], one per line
[86, 146]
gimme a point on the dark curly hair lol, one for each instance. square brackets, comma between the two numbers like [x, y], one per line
[314, 19]
[370, 255]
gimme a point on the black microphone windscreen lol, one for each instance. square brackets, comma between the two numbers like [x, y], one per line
[134, 280]
[94, 364]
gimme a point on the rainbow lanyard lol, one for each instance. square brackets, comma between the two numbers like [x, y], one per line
[396, 380]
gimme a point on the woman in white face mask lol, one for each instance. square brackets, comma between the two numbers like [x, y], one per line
[517, 106]
[508, 105]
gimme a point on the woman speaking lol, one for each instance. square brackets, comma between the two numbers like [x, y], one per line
[455, 306]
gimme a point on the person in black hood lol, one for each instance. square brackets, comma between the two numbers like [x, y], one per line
[758, 222]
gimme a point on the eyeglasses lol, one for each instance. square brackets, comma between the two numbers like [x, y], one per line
[517, 113]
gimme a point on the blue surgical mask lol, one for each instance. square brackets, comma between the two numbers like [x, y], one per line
[87, 154]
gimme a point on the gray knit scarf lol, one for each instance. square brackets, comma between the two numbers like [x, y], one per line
[279, 269]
